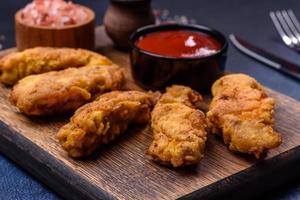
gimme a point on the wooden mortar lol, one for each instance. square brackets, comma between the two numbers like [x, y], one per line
[75, 36]
[123, 17]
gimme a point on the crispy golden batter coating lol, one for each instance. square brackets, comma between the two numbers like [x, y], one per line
[66, 90]
[15, 66]
[178, 128]
[103, 120]
[243, 113]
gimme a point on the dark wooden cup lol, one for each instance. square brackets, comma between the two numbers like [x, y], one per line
[74, 36]
[123, 17]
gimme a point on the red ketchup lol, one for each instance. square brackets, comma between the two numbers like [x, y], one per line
[179, 44]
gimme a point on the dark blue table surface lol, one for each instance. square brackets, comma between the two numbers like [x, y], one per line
[242, 17]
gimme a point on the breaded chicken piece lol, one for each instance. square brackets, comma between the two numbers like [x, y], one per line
[101, 121]
[66, 90]
[15, 66]
[178, 128]
[242, 113]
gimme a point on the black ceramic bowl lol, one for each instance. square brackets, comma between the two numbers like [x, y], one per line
[153, 71]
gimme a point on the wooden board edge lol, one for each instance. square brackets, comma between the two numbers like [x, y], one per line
[7, 51]
[47, 169]
[259, 177]
[255, 180]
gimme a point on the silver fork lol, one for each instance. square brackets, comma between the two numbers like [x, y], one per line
[288, 27]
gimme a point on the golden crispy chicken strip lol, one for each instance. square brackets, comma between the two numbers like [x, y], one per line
[178, 128]
[243, 113]
[101, 121]
[15, 66]
[66, 90]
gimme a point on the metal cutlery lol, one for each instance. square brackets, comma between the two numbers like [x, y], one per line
[288, 27]
[265, 57]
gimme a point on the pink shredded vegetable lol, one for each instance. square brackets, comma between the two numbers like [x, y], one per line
[53, 13]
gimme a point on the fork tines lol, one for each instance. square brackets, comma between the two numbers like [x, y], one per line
[288, 27]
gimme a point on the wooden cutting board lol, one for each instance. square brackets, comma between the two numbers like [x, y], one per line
[121, 169]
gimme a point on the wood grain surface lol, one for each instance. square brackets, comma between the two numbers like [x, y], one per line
[121, 169]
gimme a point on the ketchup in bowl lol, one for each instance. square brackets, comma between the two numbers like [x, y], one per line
[185, 54]
[179, 44]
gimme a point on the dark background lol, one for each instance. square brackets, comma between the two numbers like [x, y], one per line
[246, 18]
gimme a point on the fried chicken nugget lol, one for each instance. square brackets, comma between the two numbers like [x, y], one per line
[101, 121]
[66, 90]
[178, 128]
[16, 66]
[243, 113]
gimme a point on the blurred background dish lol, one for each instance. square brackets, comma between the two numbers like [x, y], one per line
[55, 23]
[122, 18]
